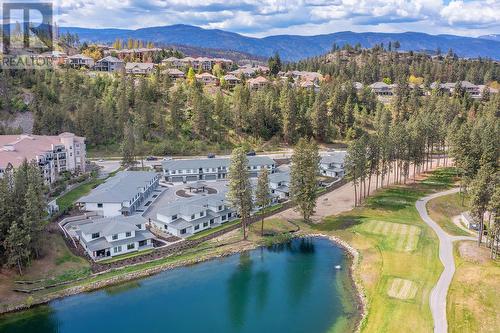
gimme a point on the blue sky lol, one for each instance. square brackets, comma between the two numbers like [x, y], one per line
[304, 17]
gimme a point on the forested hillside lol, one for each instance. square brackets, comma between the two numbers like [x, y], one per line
[187, 118]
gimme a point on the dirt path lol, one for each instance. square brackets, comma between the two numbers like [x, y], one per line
[342, 199]
[438, 294]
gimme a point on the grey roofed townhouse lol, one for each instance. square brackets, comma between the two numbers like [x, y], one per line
[121, 187]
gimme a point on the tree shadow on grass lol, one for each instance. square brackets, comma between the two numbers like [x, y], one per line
[343, 222]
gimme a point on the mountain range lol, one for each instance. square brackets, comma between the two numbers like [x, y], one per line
[292, 47]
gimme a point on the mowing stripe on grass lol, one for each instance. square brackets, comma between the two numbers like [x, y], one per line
[402, 289]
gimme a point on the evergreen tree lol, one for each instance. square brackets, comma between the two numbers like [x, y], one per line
[262, 194]
[17, 246]
[303, 178]
[128, 146]
[239, 192]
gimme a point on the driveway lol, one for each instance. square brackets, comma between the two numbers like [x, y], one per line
[438, 294]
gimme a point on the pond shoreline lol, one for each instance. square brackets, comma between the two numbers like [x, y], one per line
[353, 258]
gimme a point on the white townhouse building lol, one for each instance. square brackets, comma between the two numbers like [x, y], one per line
[121, 194]
[108, 237]
[190, 170]
[53, 153]
[186, 217]
[279, 185]
[332, 165]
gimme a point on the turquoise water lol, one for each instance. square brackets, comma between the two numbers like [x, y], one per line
[289, 287]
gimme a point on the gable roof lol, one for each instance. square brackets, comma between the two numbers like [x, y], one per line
[113, 225]
[122, 187]
[213, 162]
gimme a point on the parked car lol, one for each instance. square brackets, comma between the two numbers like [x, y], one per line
[151, 158]
[100, 160]
[211, 155]
[251, 153]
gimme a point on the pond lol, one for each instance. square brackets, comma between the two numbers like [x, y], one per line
[291, 287]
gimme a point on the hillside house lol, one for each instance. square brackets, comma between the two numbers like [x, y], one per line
[79, 61]
[258, 83]
[139, 68]
[109, 64]
[332, 165]
[207, 78]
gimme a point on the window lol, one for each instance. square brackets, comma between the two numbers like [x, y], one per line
[196, 227]
[131, 246]
[183, 231]
[192, 217]
[220, 207]
[166, 227]
[223, 217]
[205, 224]
[128, 234]
[117, 249]
[202, 213]
[229, 215]
[139, 226]
[174, 217]
[115, 237]
[95, 235]
[99, 205]
[212, 221]
[143, 242]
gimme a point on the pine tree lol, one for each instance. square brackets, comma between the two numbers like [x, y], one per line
[262, 194]
[17, 246]
[128, 146]
[239, 192]
[303, 178]
[481, 191]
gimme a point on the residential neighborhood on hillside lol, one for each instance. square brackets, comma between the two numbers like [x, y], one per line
[249, 166]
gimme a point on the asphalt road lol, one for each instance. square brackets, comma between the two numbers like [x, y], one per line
[438, 294]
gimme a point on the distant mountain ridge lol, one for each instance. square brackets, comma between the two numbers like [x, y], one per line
[292, 47]
[495, 37]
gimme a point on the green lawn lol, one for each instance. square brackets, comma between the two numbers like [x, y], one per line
[443, 209]
[472, 303]
[67, 200]
[399, 254]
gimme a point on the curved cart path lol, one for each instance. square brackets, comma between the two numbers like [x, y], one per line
[438, 294]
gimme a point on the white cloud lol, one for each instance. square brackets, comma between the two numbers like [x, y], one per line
[264, 17]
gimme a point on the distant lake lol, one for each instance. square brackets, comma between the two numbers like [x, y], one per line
[290, 287]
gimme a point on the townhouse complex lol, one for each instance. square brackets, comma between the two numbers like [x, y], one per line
[53, 153]
[332, 165]
[122, 194]
[189, 170]
[188, 216]
[111, 236]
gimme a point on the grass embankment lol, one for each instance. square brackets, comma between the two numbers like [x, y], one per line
[443, 209]
[472, 303]
[67, 200]
[56, 264]
[398, 252]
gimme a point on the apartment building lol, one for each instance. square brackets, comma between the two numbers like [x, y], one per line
[122, 194]
[190, 170]
[53, 153]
